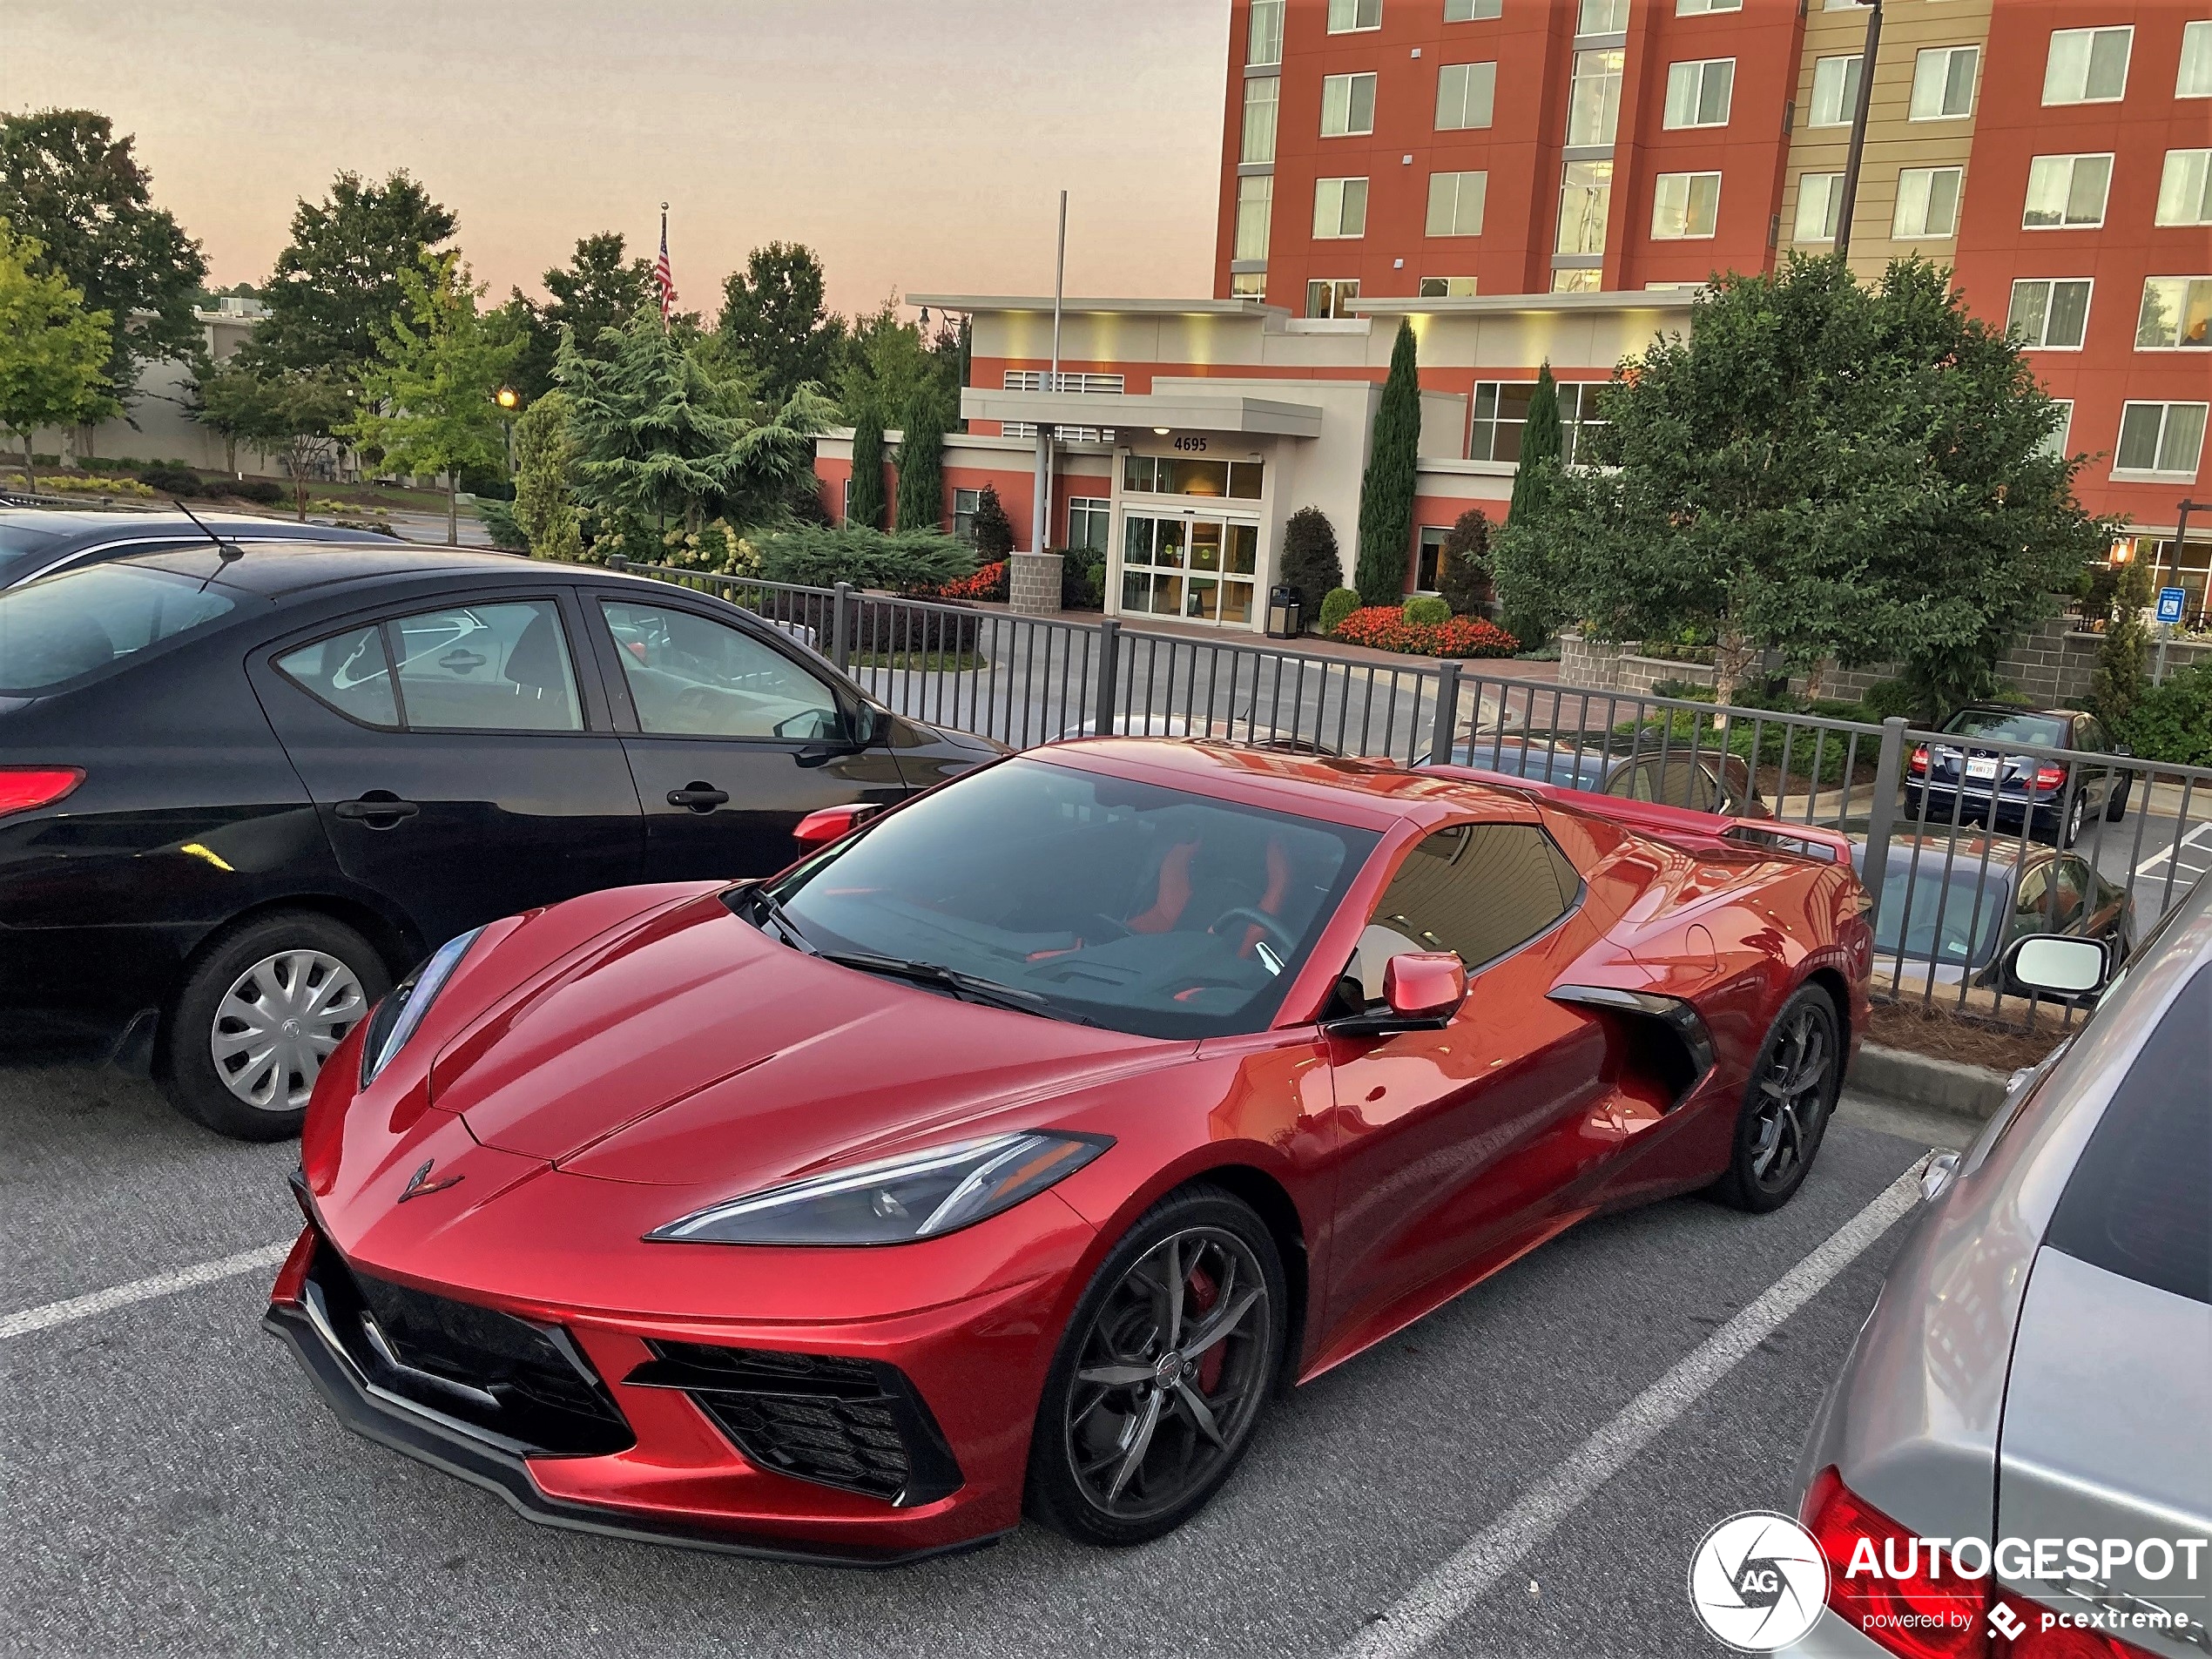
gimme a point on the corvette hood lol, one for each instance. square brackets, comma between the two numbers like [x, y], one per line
[690, 1050]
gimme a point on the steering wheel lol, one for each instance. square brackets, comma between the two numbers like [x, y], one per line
[1272, 926]
[695, 699]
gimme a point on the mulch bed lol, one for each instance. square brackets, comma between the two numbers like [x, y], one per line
[1939, 1034]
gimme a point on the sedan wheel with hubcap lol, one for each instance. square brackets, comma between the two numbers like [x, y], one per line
[278, 1023]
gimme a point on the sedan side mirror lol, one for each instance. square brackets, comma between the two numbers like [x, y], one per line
[2059, 964]
[1421, 991]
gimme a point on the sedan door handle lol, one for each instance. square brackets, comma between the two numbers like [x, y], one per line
[698, 797]
[377, 810]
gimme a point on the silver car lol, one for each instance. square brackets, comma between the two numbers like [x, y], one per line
[2034, 1384]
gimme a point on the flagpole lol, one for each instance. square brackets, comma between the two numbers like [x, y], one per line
[663, 266]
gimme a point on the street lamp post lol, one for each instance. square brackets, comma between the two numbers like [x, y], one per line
[1844, 215]
[2181, 551]
[508, 401]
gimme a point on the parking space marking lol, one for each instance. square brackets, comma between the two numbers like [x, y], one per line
[2172, 852]
[1430, 1607]
[140, 1289]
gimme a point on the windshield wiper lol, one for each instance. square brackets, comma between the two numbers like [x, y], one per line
[767, 905]
[968, 987]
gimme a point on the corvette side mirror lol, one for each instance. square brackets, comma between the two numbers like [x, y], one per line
[1421, 991]
[833, 823]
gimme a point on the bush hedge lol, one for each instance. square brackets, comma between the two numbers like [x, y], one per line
[1427, 610]
[160, 477]
[1389, 628]
[1339, 604]
[904, 561]
[2173, 722]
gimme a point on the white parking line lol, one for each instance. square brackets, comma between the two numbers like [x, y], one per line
[2169, 852]
[1429, 1608]
[140, 1289]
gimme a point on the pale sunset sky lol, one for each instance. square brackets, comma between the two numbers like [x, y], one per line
[915, 146]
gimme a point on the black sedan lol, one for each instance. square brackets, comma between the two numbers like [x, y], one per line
[35, 544]
[240, 795]
[1982, 779]
[1670, 776]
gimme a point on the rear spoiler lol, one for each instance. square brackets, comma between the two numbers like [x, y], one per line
[1683, 827]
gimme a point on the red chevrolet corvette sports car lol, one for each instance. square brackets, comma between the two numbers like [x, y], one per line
[1013, 1149]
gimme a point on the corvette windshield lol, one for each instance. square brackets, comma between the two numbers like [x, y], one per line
[1141, 908]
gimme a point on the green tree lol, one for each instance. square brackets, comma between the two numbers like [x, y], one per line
[2116, 684]
[1821, 469]
[1521, 558]
[921, 468]
[300, 417]
[431, 393]
[338, 284]
[1311, 565]
[993, 530]
[54, 352]
[601, 287]
[1387, 491]
[773, 315]
[545, 495]
[1464, 576]
[868, 505]
[67, 181]
[230, 399]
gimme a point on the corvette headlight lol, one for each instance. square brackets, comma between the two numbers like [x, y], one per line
[398, 1014]
[916, 1195]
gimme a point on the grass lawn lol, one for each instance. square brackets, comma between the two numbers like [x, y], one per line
[928, 662]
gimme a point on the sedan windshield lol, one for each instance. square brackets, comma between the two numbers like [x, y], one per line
[62, 628]
[1953, 923]
[1997, 725]
[1087, 897]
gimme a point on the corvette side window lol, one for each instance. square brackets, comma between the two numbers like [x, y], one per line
[1480, 890]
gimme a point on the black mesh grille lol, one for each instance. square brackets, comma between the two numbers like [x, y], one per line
[522, 1382]
[851, 1423]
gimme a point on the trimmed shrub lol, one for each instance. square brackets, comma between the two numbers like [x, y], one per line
[1894, 698]
[993, 530]
[1082, 580]
[2173, 722]
[1463, 577]
[160, 477]
[883, 629]
[905, 561]
[264, 492]
[1311, 565]
[1426, 610]
[1388, 628]
[1339, 604]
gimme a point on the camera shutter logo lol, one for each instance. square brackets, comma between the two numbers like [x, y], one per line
[1758, 1582]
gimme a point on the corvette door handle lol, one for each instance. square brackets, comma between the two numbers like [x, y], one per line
[377, 810]
[699, 798]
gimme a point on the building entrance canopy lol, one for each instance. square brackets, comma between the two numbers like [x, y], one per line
[1180, 411]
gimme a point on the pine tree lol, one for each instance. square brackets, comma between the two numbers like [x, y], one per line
[1386, 492]
[867, 471]
[921, 468]
[1527, 578]
[993, 530]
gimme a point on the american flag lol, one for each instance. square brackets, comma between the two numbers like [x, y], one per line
[662, 275]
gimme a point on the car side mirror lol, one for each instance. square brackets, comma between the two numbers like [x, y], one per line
[2059, 964]
[1421, 991]
[833, 823]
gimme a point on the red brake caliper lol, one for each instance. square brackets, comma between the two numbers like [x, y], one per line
[1203, 1294]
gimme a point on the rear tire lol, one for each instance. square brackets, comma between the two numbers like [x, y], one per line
[1786, 1105]
[263, 1004]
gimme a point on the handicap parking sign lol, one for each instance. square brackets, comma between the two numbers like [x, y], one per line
[2169, 604]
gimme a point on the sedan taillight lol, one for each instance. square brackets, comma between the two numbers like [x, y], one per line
[1907, 1603]
[2050, 777]
[1920, 758]
[24, 788]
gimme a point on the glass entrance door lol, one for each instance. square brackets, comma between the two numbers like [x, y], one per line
[1193, 569]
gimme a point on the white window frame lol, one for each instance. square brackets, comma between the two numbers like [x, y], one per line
[2164, 474]
[1264, 35]
[1687, 83]
[973, 498]
[1472, 10]
[1601, 16]
[2054, 443]
[1900, 232]
[1090, 506]
[1831, 192]
[1467, 86]
[1457, 191]
[1665, 214]
[2042, 340]
[1443, 287]
[1340, 99]
[1705, 8]
[1248, 285]
[1339, 191]
[1262, 113]
[2059, 96]
[1578, 279]
[2179, 343]
[1354, 17]
[1845, 89]
[1945, 57]
[1254, 215]
[2039, 164]
[2173, 188]
[2193, 76]
[1608, 65]
[1341, 289]
[1590, 193]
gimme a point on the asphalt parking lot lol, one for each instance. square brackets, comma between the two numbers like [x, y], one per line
[172, 1486]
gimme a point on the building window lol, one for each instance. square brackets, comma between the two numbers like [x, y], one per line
[1501, 409]
[2087, 65]
[1834, 91]
[1429, 567]
[2054, 444]
[1698, 93]
[1180, 475]
[2162, 438]
[1601, 18]
[1455, 203]
[1347, 105]
[1262, 96]
[845, 510]
[1248, 285]
[1585, 197]
[2196, 78]
[1040, 379]
[2065, 191]
[1820, 206]
[1347, 16]
[1470, 10]
[1593, 101]
[965, 502]
[2050, 313]
[1685, 205]
[1465, 95]
[1340, 209]
[1263, 45]
[1943, 83]
[1701, 8]
[2176, 314]
[1331, 298]
[1578, 279]
[1254, 206]
[1447, 288]
[1927, 203]
[1090, 517]
[2185, 188]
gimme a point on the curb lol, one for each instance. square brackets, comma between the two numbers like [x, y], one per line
[1933, 1085]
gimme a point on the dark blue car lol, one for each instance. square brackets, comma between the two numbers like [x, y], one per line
[1980, 780]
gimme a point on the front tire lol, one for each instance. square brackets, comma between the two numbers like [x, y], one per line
[1786, 1105]
[263, 1005]
[1163, 1373]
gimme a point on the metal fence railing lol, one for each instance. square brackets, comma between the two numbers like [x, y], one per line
[1964, 843]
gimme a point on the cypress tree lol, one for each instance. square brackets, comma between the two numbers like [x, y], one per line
[1528, 611]
[1386, 492]
[921, 468]
[1540, 439]
[868, 471]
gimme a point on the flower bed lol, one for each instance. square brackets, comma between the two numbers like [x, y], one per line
[1384, 628]
[989, 582]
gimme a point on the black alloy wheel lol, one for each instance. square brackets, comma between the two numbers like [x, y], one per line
[1786, 1106]
[1162, 1374]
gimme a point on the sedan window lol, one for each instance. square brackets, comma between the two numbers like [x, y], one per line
[689, 676]
[2001, 725]
[486, 668]
[22, 550]
[78, 623]
[349, 673]
[1480, 890]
